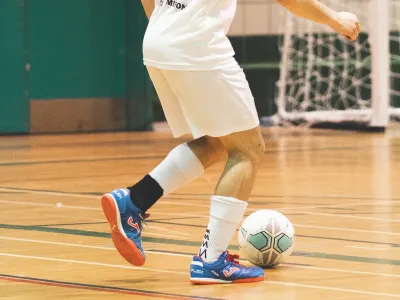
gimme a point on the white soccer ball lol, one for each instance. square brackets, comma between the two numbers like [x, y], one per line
[266, 238]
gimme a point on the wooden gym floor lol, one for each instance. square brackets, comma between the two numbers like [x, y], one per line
[340, 189]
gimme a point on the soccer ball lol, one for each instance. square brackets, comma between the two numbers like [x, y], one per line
[266, 238]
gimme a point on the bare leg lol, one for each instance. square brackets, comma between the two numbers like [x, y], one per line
[228, 204]
[245, 152]
[209, 150]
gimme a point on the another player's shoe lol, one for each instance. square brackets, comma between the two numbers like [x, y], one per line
[126, 222]
[225, 270]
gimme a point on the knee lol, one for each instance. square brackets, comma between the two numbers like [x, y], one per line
[257, 151]
[260, 150]
[252, 154]
[214, 145]
[208, 150]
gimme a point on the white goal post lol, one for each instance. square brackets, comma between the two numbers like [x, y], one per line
[327, 79]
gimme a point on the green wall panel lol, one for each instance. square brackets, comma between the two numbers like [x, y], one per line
[14, 106]
[76, 48]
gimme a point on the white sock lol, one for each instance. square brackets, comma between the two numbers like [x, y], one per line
[225, 215]
[180, 167]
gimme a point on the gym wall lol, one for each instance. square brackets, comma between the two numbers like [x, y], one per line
[72, 66]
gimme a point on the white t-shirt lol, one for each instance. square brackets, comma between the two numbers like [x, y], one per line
[190, 35]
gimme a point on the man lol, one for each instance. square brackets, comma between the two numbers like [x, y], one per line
[203, 92]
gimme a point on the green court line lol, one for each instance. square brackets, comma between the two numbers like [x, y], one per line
[161, 221]
[104, 222]
[348, 258]
[95, 234]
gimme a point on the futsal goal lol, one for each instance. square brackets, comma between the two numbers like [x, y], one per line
[326, 79]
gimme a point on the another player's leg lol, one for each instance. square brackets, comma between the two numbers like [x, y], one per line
[125, 209]
[214, 264]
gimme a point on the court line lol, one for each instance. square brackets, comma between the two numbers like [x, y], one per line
[163, 202]
[92, 263]
[97, 195]
[300, 209]
[348, 258]
[54, 193]
[108, 143]
[156, 221]
[95, 234]
[105, 222]
[114, 158]
[169, 230]
[297, 235]
[347, 229]
[368, 248]
[75, 217]
[188, 255]
[201, 216]
[181, 273]
[347, 240]
[163, 235]
[178, 224]
[94, 208]
[327, 288]
[207, 196]
[342, 205]
[73, 224]
[55, 243]
[49, 205]
[297, 196]
[387, 220]
[101, 288]
[81, 159]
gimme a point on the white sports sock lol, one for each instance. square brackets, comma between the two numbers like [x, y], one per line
[180, 167]
[225, 215]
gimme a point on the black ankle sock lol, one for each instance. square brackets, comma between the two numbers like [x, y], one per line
[145, 193]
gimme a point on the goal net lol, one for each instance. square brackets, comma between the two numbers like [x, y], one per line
[325, 79]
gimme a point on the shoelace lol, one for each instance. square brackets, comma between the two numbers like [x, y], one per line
[144, 217]
[233, 258]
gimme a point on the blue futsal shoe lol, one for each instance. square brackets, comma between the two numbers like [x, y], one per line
[225, 270]
[126, 222]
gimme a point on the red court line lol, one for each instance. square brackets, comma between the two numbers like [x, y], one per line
[99, 288]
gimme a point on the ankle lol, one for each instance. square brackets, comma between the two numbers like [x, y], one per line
[145, 193]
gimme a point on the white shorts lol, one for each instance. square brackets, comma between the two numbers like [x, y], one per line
[214, 103]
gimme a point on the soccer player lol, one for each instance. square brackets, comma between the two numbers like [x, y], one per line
[203, 92]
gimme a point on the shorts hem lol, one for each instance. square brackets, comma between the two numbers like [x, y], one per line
[177, 67]
[216, 133]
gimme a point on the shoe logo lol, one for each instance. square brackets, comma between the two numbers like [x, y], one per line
[134, 225]
[120, 195]
[231, 271]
